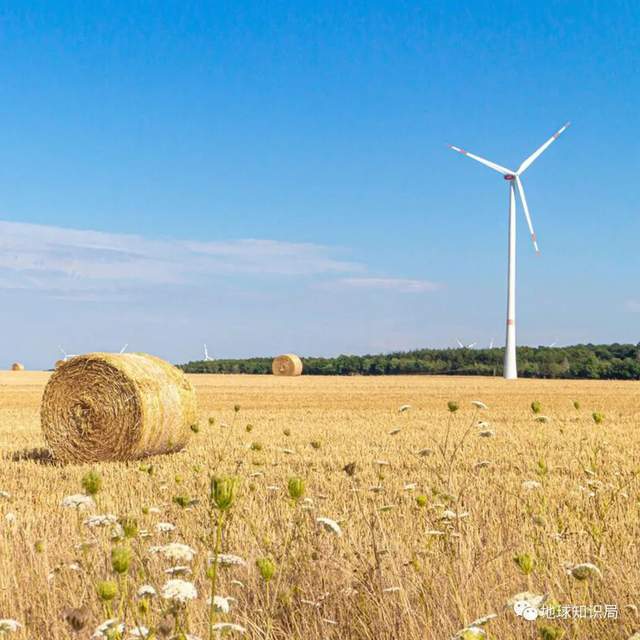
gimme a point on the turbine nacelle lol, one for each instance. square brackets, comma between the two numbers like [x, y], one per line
[509, 176]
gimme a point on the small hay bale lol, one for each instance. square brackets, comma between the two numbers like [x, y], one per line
[17, 366]
[116, 406]
[59, 363]
[288, 364]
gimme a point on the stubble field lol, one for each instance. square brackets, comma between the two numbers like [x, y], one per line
[441, 520]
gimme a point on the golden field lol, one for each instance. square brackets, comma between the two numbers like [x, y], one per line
[427, 537]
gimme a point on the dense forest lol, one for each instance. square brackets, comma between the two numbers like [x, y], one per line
[605, 361]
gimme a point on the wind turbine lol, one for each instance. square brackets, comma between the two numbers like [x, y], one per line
[124, 348]
[67, 355]
[466, 346]
[206, 354]
[491, 344]
[515, 183]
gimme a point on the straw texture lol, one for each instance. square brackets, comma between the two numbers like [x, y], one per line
[287, 364]
[116, 406]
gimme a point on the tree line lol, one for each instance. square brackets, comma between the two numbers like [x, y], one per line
[604, 361]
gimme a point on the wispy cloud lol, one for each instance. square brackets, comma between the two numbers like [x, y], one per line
[399, 285]
[632, 305]
[56, 259]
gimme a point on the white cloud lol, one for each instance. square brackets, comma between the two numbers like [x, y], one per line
[47, 258]
[400, 285]
[633, 306]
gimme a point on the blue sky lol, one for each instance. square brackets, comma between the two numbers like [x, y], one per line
[274, 176]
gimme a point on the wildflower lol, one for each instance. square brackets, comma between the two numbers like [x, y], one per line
[105, 520]
[329, 525]
[91, 483]
[220, 604]
[107, 590]
[531, 485]
[138, 632]
[478, 404]
[404, 408]
[175, 551]
[120, 559]
[76, 618]
[471, 633]
[10, 518]
[103, 630]
[296, 488]
[536, 407]
[447, 514]
[78, 501]
[598, 417]
[223, 492]
[179, 590]
[421, 500]
[7, 625]
[165, 527]
[410, 486]
[584, 571]
[229, 560]
[531, 599]
[394, 432]
[225, 627]
[146, 591]
[453, 406]
[525, 562]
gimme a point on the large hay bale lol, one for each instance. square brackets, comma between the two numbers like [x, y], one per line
[287, 364]
[116, 406]
[17, 366]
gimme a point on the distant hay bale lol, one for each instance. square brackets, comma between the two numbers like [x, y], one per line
[116, 406]
[288, 364]
[17, 366]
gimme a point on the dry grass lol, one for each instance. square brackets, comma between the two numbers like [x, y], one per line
[386, 577]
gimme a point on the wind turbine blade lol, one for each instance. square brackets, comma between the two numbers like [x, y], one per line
[124, 348]
[529, 161]
[527, 215]
[486, 163]
[64, 353]
[470, 346]
[460, 343]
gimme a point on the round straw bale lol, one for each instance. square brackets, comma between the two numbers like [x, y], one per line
[17, 366]
[116, 406]
[288, 364]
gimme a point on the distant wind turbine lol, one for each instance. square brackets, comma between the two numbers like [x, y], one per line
[124, 348]
[67, 355]
[491, 344]
[513, 178]
[206, 354]
[465, 346]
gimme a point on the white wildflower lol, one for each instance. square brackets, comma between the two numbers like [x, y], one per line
[104, 520]
[10, 518]
[228, 560]
[165, 527]
[146, 591]
[7, 625]
[329, 525]
[107, 626]
[175, 551]
[531, 485]
[78, 501]
[220, 604]
[179, 590]
[584, 571]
